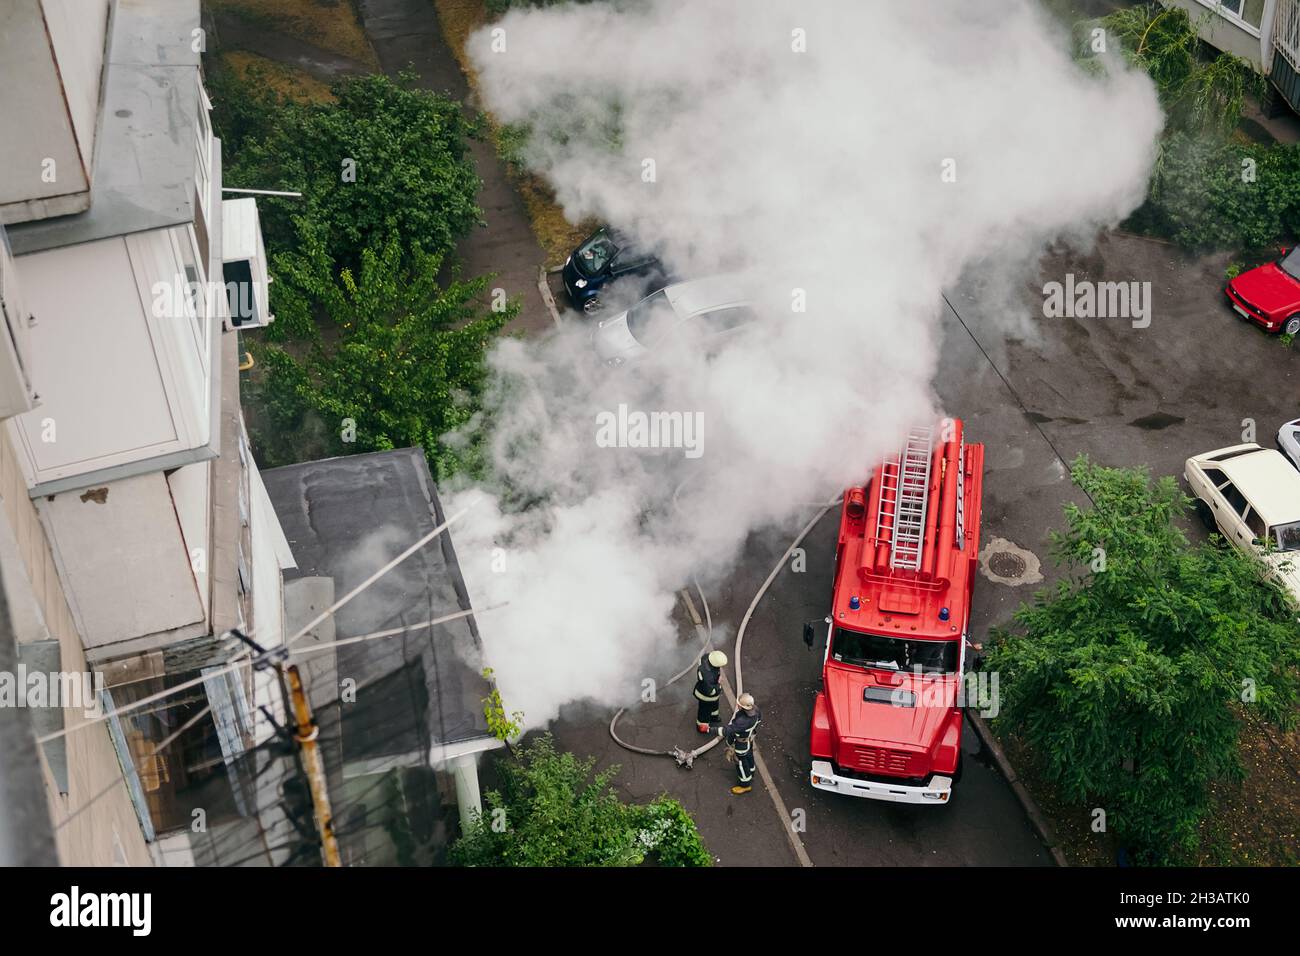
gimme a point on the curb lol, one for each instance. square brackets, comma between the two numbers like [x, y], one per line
[544, 287]
[1027, 802]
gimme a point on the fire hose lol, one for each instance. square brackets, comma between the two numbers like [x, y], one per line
[686, 758]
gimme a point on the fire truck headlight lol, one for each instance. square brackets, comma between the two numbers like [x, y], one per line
[824, 781]
[935, 796]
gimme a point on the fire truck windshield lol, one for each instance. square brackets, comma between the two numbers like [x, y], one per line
[894, 653]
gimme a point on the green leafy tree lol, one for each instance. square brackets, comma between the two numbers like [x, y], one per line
[1199, 94]
[1131, 679]
[552, 810]
[385, 159]
[399, 361]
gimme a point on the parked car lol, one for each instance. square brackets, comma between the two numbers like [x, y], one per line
[1251, 495]
[604, 257]
[1270, 294]
[705, 310]
[1288, 441]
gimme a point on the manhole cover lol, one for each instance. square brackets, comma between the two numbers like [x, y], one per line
[1007, 565]
[1005, 562]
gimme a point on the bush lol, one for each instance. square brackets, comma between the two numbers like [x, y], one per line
[552, 810]
[385, 159]
[672, 838]
[1218, 195]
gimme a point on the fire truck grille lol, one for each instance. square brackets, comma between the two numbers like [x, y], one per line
[880, 760]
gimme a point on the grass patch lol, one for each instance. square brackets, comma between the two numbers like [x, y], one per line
[331, 25]
[1256, 822]
[1253, 823]
[288, 81]
[555, 234]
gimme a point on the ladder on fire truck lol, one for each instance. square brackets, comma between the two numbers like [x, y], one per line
[903, 496]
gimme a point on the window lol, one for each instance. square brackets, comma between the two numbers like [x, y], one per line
[893, 653]
[1215, 476]
[203, 153]
[1234, 498]
[650, 318]
[724, 320]
[1250, 12]
[1288, 536]
[1255, 523]
[194, 297]
[595, 254]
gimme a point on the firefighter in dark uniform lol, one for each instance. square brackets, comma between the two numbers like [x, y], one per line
[739, 735]
[708, 678]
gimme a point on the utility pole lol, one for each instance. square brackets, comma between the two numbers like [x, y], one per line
[305, 734]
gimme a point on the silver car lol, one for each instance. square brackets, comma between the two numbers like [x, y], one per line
[704, 310]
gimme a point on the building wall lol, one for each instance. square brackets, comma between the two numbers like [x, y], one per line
[1227, 35]
[106, 832]
[125, 368]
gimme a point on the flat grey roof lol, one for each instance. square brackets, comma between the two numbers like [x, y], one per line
[344, 519]
[144, 159]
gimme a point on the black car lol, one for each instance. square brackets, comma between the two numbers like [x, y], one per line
[605, 256]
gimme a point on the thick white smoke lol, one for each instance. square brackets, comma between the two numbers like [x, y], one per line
[807, 144]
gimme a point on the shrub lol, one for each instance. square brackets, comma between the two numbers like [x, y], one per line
[553, 810]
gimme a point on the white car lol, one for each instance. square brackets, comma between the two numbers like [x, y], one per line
[1252, 496]
[1288, 441]
[707, 310]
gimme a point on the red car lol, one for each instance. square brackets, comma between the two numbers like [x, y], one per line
[1269, 295]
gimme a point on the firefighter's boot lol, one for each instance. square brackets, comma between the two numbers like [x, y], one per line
[738, 790]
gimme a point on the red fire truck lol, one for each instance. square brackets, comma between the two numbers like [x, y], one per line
[887, 722]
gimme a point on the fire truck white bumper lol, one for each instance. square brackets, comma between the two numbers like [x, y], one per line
[937, 793]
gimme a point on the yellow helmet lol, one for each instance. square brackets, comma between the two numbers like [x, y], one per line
[718, 659]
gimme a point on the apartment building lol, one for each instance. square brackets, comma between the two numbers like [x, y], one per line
[135, 531]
